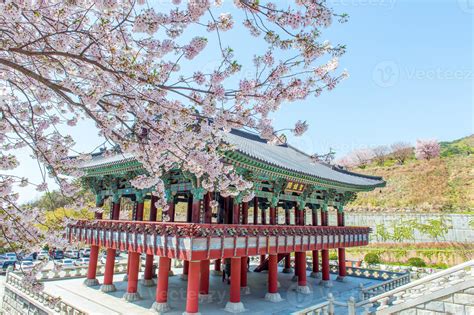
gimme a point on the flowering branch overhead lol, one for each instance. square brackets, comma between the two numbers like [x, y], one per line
[129, 66]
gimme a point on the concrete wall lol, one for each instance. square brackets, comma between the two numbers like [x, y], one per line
[459, 231]
[459, 303]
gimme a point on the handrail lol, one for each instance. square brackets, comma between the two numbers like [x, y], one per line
[370, 291]
[324, 307]
[424, 280]
[40, 297]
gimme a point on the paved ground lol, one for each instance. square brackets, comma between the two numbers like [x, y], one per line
[93, 301]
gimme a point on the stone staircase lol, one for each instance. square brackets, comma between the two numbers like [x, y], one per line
[450, 291]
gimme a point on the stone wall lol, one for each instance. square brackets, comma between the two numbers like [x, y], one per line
[459, 230]
[459, 303]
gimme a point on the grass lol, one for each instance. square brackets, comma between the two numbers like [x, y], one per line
[441, 184]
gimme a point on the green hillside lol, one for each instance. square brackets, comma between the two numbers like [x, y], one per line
[441, 184]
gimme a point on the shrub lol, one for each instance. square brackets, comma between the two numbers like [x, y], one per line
[332, 255]
[372, 258]
[440, 266]
[416, 262]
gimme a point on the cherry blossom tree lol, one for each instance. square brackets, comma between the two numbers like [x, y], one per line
[357, 158]
[427, 149]
[129, 67]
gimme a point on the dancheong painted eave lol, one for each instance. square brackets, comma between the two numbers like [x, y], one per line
[255, 153]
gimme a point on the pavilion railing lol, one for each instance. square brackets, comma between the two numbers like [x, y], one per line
[39, 298]
[212, 241]
[218, 230]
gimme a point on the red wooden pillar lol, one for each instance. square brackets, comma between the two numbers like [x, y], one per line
[148, 275]
[139, 211]
[132, 287]
[236, 212]
[92, 270]
[272, 295]
[108, 285]
[341, 251]
[302, 285]
[196, 210]
[314, 216]
[263, 218]
[192, 295]
[315, 253]
[184, 276]
[171, 208]
[235, 305]
[217, 268]
[325, 264]
[297, 266]
[315, 271]
[263, 215]
[324, 252]
[153, 209]
[207, 208]
[204, 280]
[116, 209]
[255, 210]
[171, 214]
[161, 301]
[245, 212]
[138, 216]
[243, 276]
[272, 215]
[287, 268]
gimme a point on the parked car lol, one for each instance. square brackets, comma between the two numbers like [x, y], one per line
[11, 256]
[43, 254]
[82, 261]
[66, 263]
[31, 256]
[25, 265]
[5, 263]
[57, 254]
[72, 253]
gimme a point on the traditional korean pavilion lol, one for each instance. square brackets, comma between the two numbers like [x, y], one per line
[289, 188]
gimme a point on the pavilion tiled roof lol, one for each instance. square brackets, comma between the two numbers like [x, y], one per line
[292, 159]
[283, 156]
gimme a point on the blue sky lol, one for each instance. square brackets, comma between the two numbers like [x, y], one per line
[411, 77]
[410, 65]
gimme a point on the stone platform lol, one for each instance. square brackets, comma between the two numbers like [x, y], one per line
[92, 300]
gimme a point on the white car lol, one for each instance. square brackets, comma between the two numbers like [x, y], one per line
[25, 265]
[44, 254]
[11, 256]
[82, 261]
[66, 263]
[71, 253]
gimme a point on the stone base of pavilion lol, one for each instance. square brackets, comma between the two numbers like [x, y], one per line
[93, 301]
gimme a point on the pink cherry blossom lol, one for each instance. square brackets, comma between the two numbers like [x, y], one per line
[123, 66]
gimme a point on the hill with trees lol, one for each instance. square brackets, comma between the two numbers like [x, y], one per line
[417, 181]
